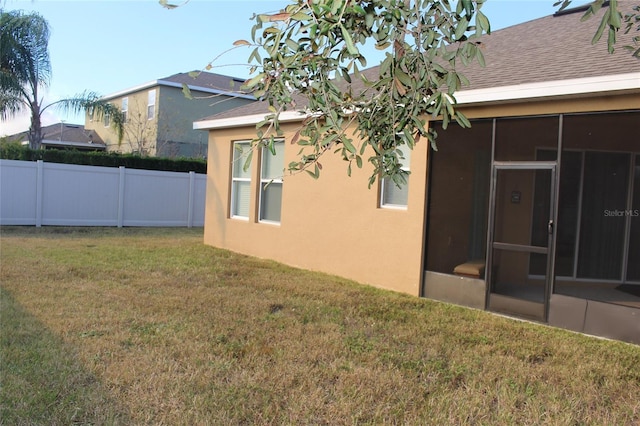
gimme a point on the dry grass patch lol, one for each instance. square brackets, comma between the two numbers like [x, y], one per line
[165, 330]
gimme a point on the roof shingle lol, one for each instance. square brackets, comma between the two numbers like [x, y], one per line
[207, 80]
[555, 47]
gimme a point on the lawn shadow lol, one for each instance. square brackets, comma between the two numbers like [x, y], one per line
[42, 380]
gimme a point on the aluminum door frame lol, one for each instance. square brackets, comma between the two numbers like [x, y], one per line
[551, 242]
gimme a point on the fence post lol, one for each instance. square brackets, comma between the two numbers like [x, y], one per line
[192, 181]
[39, 191]
[121, 187]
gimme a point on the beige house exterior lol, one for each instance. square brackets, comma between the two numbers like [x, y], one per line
[159, 116]
[533, 212]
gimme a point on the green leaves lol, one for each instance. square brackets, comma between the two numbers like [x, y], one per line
[186, 91]
[25, 67]
[611, 21]
[253, 82]
[311, 50]
[482, 23]
[348, 145]
[351, 48]
[630, 20]
[461, 28]
[167, 5]
[247, 162]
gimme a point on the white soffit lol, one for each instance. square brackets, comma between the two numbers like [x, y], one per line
[241, 121]
[550, 89]
[533, 91]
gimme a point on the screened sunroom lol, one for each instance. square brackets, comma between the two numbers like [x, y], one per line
[539, 217]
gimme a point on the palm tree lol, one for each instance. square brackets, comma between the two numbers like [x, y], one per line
[25, 69]
[25, 66]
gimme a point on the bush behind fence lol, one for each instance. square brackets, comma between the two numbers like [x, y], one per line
[12, 151]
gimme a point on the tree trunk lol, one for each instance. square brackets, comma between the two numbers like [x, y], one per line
[35, 131]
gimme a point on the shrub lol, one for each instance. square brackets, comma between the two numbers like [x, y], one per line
[14, 151]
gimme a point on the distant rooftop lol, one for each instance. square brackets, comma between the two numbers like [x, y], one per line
[201, 81]
[66, 135]
[208, 80]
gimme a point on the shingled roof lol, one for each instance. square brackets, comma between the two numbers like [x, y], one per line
[197, 81]
[66, 135]
[553, 48]
[556, 47]
[206, 80]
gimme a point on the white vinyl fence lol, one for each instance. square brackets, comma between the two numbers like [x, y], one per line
[38, 193]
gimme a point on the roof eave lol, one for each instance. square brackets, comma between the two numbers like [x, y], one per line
[246, 120]
[53, 142]
[157, 83]
[608, 84]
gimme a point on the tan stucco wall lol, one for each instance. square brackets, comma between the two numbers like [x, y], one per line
[332, 224]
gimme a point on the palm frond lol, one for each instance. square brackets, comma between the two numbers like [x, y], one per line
[93, 104]
[25, 66]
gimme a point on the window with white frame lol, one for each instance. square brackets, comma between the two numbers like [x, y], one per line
[106, 119]
[392, 195]
[125, 109]
[151, 104]
[271, 170]
[240, 181]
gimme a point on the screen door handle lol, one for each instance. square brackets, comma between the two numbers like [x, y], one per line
[550, 227]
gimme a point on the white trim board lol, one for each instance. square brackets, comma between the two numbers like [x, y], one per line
[535, 91]
[551, 89]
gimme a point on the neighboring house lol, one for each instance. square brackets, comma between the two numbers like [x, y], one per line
[533, 212]
[65, 136]
[159, 117]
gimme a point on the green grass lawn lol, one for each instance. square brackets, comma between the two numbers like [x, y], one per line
[150, 326]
